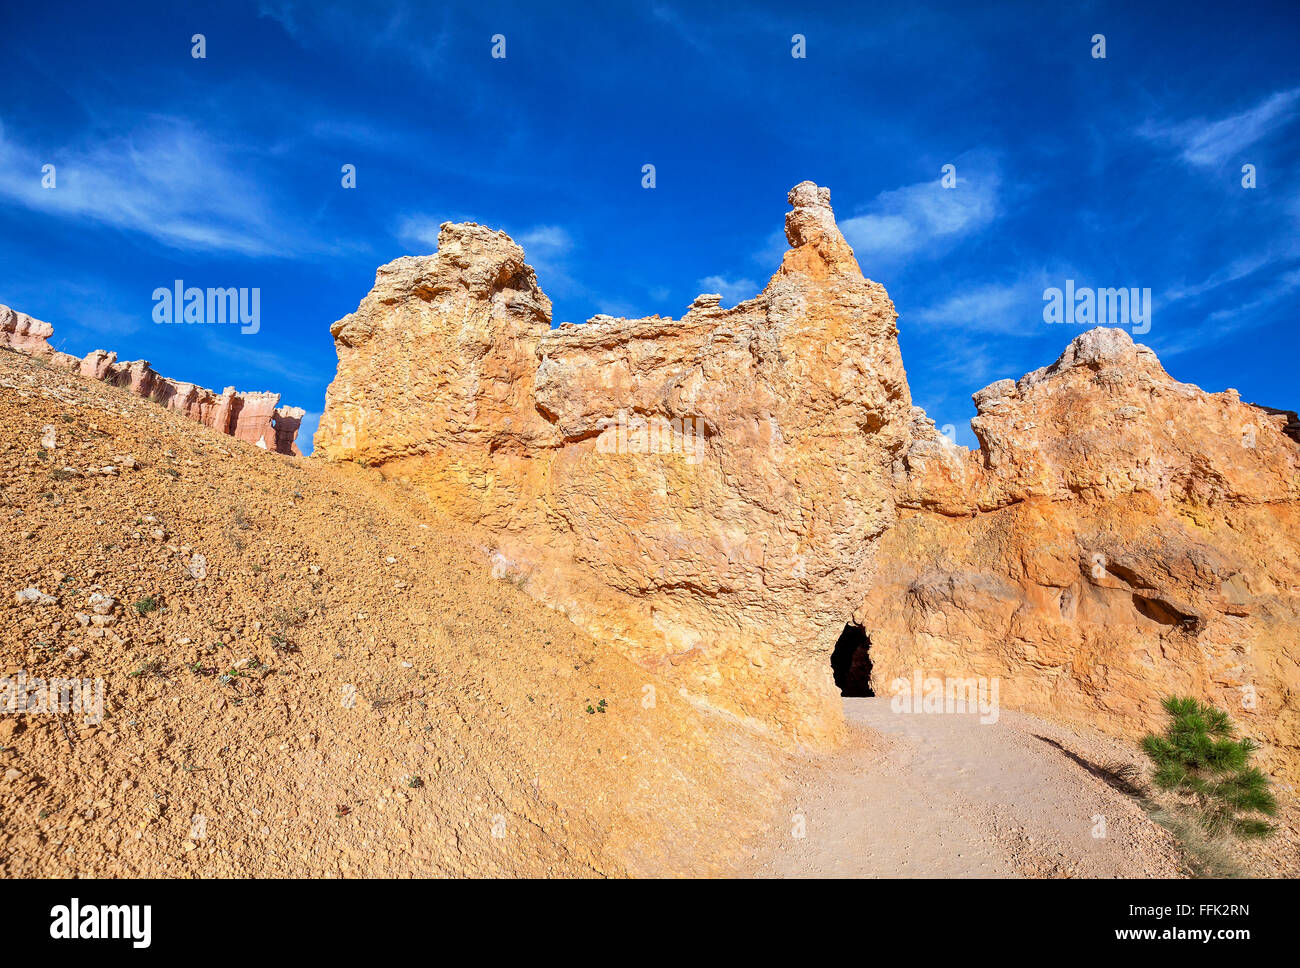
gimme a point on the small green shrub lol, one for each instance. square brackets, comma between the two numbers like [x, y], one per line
[1200, 755]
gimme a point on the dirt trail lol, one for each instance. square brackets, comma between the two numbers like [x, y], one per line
[946, 796]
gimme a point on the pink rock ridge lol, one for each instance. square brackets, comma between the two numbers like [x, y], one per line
[253, 417]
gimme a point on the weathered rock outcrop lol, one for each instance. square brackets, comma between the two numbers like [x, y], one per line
[710, 493]
[22, 333]
[706, 493]
[254, 417]
[1118, 536]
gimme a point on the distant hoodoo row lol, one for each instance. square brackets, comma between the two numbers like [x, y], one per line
[253, 417]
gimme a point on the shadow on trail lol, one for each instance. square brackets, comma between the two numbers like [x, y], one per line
[1119, 776]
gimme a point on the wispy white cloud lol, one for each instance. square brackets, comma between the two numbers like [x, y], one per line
[420, 232]
[692, 35]
[925, 217]
[1234, 271]
[773, 251]
[1224, 323]
[384, 29]
[221, 341]
[1212, 143]
[732, 290]
[546, 247]
[1285, 285]
[997, 307]
[105, 323]
[356, 133]
[85, 318]
[970, 363]
[167, 181]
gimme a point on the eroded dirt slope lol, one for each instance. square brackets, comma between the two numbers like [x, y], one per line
[330, 683]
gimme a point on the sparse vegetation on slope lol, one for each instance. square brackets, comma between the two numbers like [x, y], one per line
[306, 673]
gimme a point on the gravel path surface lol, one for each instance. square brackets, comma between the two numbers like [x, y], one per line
[943, 795]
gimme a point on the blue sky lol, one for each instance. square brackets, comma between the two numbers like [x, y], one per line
[225, 171]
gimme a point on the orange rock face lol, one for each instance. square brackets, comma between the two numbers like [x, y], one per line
[718, 494]
[1119, 536]
[706, 493]
[254, 417]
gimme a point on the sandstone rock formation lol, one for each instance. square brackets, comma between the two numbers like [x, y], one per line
[253, 417]
[22, 333]
[706, 493]
[717, 495]
[1118, 536]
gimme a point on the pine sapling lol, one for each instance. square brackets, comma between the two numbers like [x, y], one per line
[1200, 755]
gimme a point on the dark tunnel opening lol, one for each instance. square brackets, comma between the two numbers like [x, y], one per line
[851, 662]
